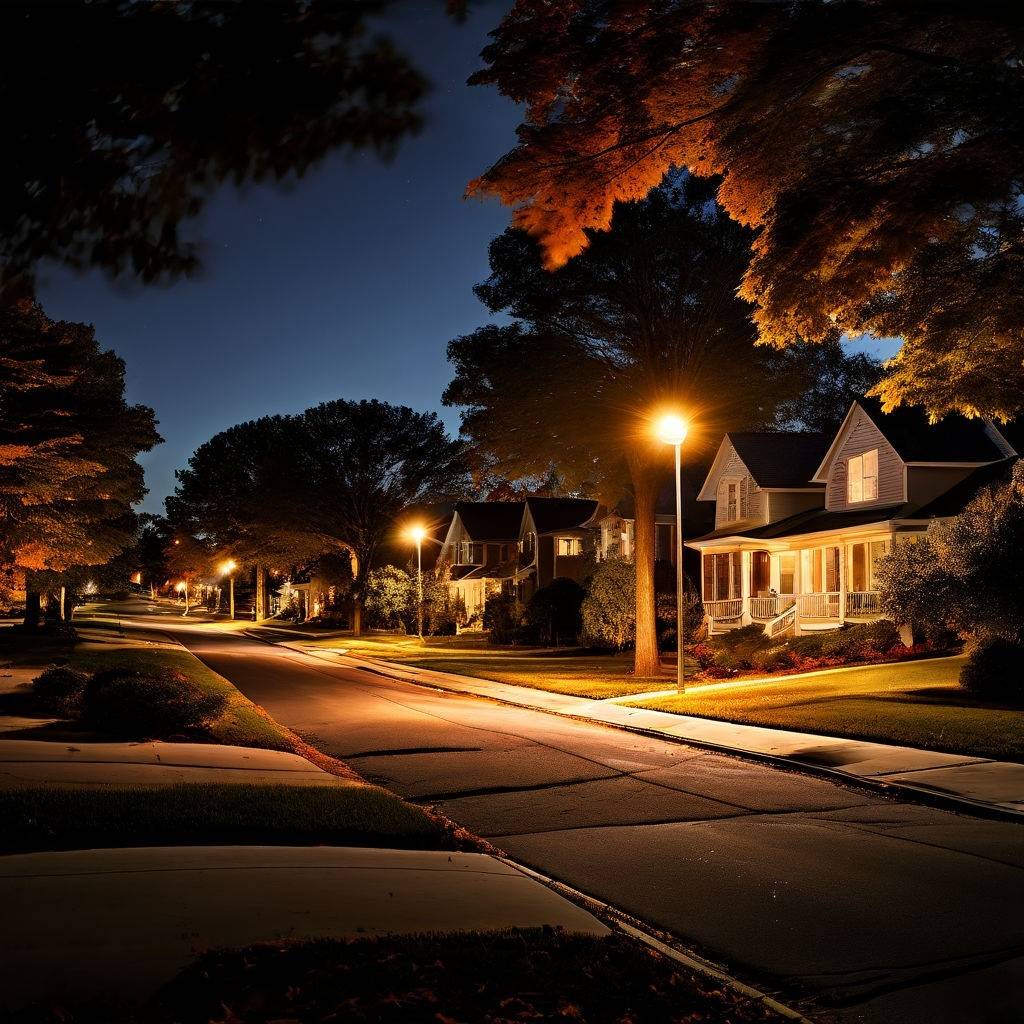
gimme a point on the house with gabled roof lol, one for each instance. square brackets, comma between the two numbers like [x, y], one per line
[520, 546]
[802, 521]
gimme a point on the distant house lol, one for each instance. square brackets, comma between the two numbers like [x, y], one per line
[518, 546]
[557, 540]
[481, 550]
[802, 520]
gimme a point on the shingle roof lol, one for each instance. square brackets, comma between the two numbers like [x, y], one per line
[957, 497]
[491, 520]
[947, 504]
[777, 459]
[551, 514]
[953, 439]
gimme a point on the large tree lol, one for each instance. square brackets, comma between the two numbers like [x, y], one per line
[69, 443]
[646, 318]
[119, 117]
[334, 478]
[875, 145]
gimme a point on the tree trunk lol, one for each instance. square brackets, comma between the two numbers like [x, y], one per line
[357, 615]
[33, 608]
[261, 592]
[645, 495]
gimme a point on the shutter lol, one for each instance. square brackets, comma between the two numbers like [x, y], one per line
[743, 499]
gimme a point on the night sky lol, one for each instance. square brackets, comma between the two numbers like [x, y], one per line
[349, 284]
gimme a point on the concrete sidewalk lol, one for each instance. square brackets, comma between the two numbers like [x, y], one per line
[38, 762]
[974, 784]
[119, 923]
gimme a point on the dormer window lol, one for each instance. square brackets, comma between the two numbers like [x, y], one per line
[862, 477]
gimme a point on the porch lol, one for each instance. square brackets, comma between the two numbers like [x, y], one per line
[790, 589]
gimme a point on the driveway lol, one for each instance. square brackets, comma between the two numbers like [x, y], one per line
[882, 910]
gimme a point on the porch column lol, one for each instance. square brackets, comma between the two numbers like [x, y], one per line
[842, 583]
[745, 569]
[798, 589]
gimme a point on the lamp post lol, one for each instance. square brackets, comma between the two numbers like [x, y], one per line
[182, 588]
[416, 534]
[672, 430]
[228, 569]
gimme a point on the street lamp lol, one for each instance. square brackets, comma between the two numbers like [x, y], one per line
[228, 568]
[182, 588]
[671, 429]
[416, 534]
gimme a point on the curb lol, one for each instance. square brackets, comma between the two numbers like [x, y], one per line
[947, 802]
[662, 942]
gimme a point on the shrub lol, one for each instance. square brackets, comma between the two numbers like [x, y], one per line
[771, 659]
[149, 704]
[993, 671]
[504, 618]
[554, 610]
[390, 598]
[609, 609]
[60, 689]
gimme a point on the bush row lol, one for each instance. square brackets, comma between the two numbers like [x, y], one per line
[127, 702]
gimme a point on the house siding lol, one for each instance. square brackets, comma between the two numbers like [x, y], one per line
[753, 506]
[861, 436]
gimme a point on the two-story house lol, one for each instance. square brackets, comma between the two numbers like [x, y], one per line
[481, 549]
[516, 545]
[557, 539]
[802, 520]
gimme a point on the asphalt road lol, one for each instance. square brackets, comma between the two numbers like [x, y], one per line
[880, 910]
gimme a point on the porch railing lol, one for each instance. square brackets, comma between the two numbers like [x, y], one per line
[764, 608]
[731, 609]
[782, 622]
[818, 606]
[863, 602]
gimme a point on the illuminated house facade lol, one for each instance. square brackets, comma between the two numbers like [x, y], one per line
[802, 520]
[518, 546]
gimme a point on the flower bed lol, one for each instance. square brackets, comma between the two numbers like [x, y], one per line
[748, 650]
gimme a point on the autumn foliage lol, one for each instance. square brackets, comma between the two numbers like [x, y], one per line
[874, 145]
[68, 446]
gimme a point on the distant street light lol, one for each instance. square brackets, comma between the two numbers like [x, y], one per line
[182, 588]
[228, 568]
[672, 429]
[416, 534]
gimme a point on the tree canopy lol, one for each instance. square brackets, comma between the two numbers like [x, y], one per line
[874, 145]
[68, 445]
[646, 317]
[333, 478]
[119, 118]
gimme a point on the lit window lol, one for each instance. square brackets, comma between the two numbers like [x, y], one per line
[862, 477]
[569, 546]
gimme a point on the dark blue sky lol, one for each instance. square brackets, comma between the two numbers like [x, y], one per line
[347, 285]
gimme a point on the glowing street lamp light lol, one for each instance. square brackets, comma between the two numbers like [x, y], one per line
[416, 533]
[182, 588]
[672, 429]
[228, 568]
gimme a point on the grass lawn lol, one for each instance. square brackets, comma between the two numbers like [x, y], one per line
[914, 703]
[243, 723]
[516, 975]
[342, 814]
[560, 671]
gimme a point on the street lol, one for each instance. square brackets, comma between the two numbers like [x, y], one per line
[884, 910]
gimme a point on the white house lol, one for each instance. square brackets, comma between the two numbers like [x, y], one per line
[802, 520]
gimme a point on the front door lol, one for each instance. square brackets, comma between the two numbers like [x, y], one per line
[760, 574]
